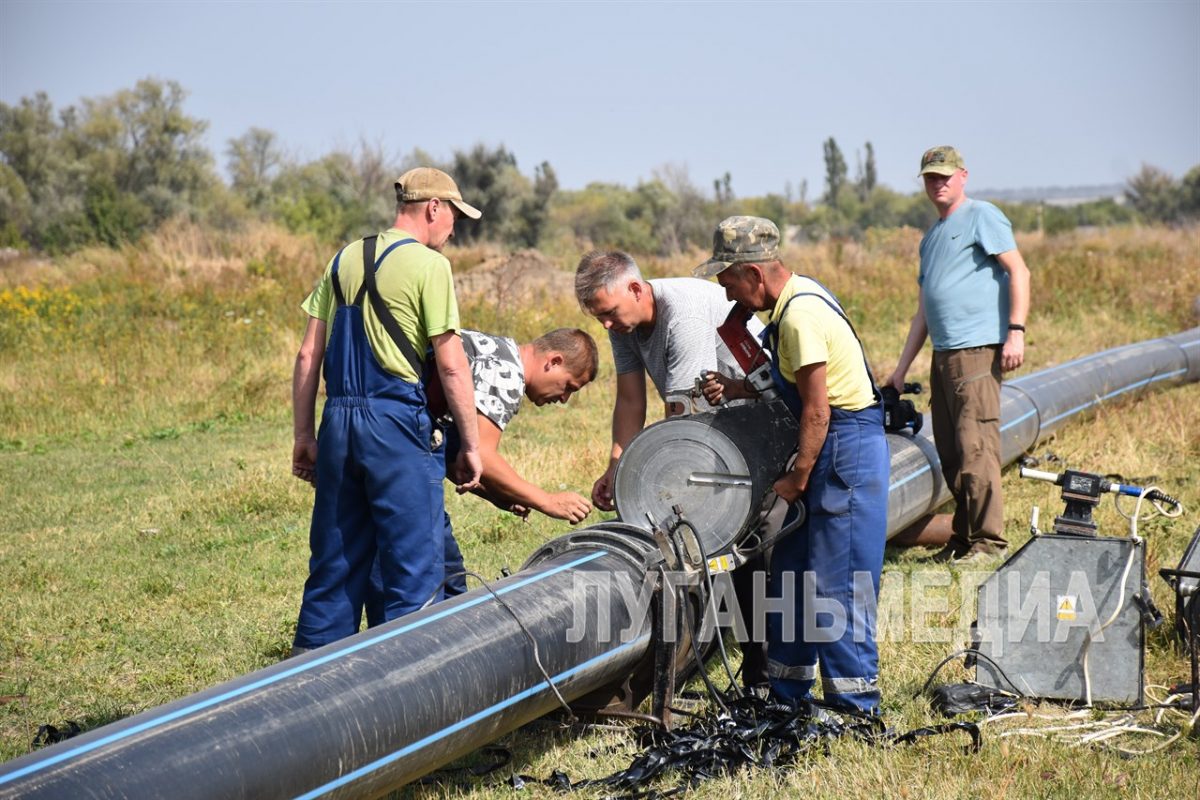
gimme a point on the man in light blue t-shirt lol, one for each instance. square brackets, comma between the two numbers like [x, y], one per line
[973, 301]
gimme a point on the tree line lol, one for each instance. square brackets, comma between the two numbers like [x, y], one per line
[114, 167]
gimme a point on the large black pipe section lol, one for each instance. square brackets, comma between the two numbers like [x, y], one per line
[1036, 405]
[377, 710]
[365, 715]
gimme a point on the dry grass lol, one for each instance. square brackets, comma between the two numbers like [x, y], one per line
[154, 542]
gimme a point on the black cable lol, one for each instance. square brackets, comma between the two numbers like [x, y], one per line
[976, 654]
[710, 603]
[687, 622]
[764, 544]
[971, 729]
[537, 659]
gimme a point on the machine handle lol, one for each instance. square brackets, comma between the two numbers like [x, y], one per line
[1039, 475]
[1153, 495]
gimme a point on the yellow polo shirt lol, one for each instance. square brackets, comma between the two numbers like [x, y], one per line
[811, 333]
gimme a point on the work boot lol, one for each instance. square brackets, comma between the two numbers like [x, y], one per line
[947, 554]
[981, 554]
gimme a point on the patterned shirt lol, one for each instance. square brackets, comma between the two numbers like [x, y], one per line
[497, 373]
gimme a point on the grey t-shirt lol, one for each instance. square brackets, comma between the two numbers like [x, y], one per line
[684, 341]
[497, 373]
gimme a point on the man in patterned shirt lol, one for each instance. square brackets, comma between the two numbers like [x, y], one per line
[547, 370]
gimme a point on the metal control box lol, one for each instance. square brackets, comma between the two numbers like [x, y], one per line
[1038, 611]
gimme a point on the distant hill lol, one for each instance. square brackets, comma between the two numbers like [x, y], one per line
[1055, 195]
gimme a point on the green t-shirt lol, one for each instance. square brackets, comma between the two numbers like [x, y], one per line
[417, 286]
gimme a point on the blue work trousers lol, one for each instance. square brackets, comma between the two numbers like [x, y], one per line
[831, 566]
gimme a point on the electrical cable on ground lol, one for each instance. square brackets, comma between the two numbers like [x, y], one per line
[749, 733]
[710, 605]
[966, 651]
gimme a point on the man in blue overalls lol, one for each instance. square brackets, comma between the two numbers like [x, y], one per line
[831, 564]
[549, 369]
[384, 307]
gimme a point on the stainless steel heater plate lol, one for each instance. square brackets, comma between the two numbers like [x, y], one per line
[689, 464]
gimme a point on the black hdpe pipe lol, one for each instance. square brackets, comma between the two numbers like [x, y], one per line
[368, 714]
[365, 715]
[1036, 405]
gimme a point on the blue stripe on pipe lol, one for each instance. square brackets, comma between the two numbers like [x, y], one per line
[893, 487]
[1114, 393]
[1018, 420]
[471, 720]
[916, 474]
[155, 722]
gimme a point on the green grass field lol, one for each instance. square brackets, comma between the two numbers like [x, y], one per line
[153, 542]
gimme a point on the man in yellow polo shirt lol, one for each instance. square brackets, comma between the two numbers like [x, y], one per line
[831, 564]
[382, 318]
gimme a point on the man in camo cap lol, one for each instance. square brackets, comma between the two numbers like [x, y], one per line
[832, 562]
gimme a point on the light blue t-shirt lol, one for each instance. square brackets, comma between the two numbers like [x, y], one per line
[964, 286]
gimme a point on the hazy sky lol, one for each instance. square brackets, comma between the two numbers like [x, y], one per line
[1034, 94]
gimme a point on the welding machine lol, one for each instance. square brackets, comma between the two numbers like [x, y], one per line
[1065, 616]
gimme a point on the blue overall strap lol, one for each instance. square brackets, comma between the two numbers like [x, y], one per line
[370, 266]
[337, 286]
[378, 262]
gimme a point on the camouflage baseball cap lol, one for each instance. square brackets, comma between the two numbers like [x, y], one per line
[941, 160]
[741, 240]
[426, 183]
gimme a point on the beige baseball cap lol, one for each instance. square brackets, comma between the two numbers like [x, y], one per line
[426, 183]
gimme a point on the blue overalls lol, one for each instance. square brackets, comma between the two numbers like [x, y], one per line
[455, 579]
[835, 556]
[376, 492]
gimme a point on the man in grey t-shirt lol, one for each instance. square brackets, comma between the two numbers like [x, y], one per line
[666, 328]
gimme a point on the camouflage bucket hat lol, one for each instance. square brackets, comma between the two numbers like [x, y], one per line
[741, 240]
[942, 160]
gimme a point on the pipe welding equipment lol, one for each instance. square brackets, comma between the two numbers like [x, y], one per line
[1065, 616]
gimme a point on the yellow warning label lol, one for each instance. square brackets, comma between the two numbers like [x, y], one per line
[719, 564]
[1066, 607]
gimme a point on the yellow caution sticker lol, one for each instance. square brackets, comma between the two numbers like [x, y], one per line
[1066, 607]
[719, 564]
